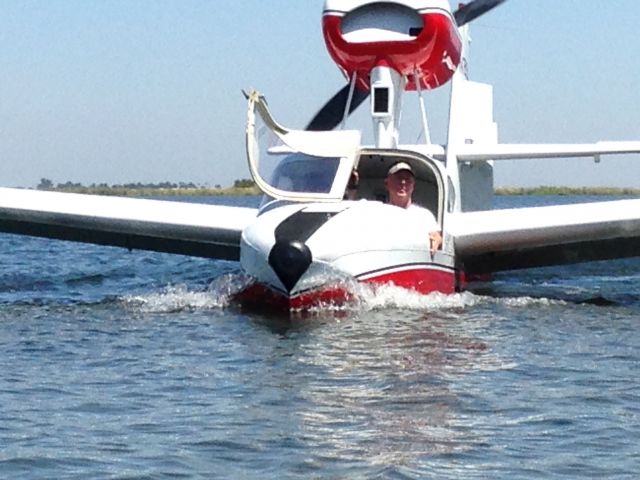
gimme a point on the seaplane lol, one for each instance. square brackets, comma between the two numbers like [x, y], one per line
[314, 232]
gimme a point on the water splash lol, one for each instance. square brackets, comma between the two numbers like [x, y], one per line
[222, 291]
[178, 298]
[371, 297]
[171, 299]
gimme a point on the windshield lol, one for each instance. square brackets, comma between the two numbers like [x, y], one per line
[298, 172]
[297, 165]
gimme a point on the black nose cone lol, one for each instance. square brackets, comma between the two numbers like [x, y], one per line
[289, 259]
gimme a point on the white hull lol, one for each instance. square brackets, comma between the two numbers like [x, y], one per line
[325, 244]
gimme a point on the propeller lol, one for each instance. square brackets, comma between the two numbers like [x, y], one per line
[331, 114]
[471, 11]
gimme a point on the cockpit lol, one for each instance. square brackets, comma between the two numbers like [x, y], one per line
[372, 168]
[304, 166]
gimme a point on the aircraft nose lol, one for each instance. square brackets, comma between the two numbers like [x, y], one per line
[289, 259]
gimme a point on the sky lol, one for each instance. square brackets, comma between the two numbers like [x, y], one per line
[119, 91]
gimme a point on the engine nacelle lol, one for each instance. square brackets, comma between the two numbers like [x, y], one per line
[417, 38]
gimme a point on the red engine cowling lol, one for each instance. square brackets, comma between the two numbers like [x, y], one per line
[411, 36]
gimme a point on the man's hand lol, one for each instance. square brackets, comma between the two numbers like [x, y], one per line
[435, 242]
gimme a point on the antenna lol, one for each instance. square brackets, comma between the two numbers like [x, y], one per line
[347, 105]
[387, 86]
[423, 109]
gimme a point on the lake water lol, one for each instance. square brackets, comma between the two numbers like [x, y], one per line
[119, 365]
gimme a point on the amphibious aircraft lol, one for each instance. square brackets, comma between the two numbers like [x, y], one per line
[306, 237]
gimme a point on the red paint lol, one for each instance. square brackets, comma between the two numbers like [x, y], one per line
[257, 294]
[423, 281]
[463, 279]
[425, 53]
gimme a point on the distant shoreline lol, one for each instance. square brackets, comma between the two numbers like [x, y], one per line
[246, 191]
[567, 191]
[158, 192]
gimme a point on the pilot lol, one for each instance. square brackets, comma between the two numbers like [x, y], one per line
[400, 183]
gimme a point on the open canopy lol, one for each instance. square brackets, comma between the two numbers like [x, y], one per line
[298, 165]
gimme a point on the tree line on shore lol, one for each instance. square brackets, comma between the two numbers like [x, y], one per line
[566, 191]
[247, 186]
[241, 186]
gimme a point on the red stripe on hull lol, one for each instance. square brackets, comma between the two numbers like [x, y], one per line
[422, 281]
[261, 295]
[463, 279]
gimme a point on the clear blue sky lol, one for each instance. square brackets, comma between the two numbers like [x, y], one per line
[150, 90]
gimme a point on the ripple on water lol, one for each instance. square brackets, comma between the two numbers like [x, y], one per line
[394, 385]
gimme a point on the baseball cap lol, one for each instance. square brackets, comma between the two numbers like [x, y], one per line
[399, 166]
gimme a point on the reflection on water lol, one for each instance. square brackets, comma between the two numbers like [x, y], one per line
[379, 392]
[140, 365]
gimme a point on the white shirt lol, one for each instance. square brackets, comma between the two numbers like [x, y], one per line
[424, 217]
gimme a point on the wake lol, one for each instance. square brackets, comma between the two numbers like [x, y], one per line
[221, 294]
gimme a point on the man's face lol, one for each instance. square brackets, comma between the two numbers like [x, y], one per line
[400, 187]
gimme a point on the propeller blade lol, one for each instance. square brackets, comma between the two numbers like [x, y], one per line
[473, 10]
[332, 113]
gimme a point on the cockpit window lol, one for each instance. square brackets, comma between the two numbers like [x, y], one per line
[297, 165]
[305, 173]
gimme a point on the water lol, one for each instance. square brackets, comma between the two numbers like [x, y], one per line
[119, 365]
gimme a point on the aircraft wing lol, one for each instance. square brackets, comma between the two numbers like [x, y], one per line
[510, 239]
[506, 151]
[525, 151]
[210, 231]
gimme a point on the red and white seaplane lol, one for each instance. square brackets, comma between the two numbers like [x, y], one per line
[306, 238]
